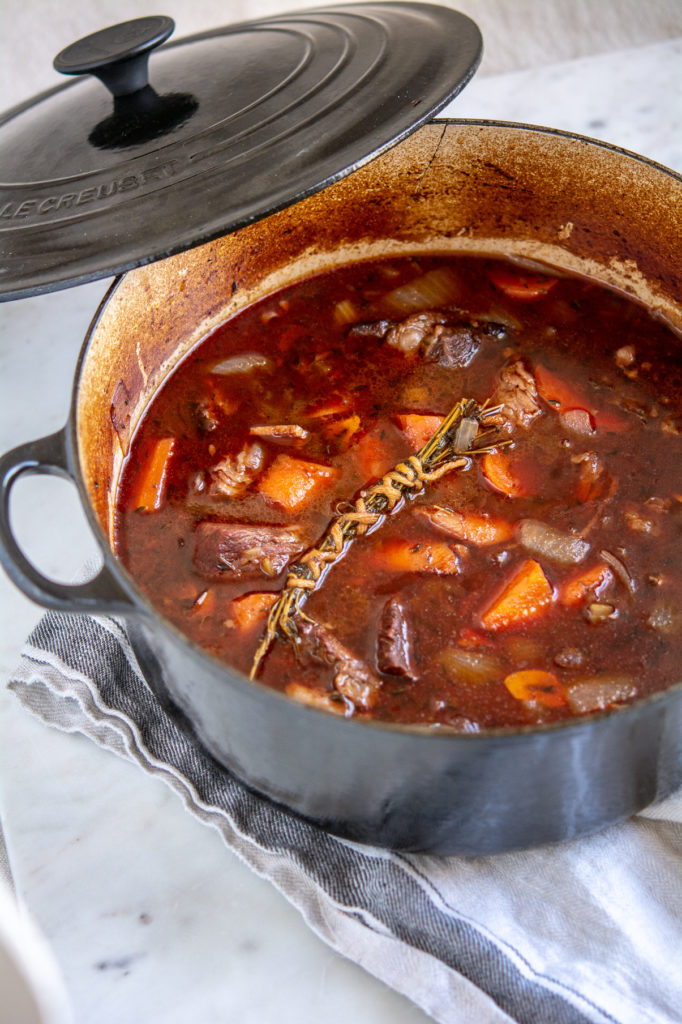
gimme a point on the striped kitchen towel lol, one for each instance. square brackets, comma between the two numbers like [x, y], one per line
[590, 930]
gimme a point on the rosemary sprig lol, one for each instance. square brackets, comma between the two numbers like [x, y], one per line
[448, 449]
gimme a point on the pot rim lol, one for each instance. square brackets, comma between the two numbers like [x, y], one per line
[143, 606]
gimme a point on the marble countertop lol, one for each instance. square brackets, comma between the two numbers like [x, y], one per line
[149, 916]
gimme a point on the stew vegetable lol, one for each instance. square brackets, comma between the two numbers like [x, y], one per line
[437, 490]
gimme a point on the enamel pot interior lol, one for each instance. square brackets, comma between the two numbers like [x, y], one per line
[532, 194]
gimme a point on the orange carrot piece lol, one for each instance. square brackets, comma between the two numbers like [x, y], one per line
[418, 429]
[341, 432]
[373, 457]
[527, 595]
[593, 489]
[470, 639]
[558, 392]
[588, 584]
[334, 405]
[469, 527]
[564, 397]
[227, 404]
[150, 492]
[250, 610]
[499, 474]
[407, 556]
[291, 483]
[537, 686]
[523, 286]
[289, 336]
[609, 419]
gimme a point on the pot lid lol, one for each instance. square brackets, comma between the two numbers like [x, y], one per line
[137, 159]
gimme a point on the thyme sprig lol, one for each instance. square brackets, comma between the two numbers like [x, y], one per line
[450, 448]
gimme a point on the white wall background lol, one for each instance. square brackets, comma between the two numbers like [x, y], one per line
[34, 31]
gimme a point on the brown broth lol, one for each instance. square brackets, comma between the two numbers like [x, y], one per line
[315, 360]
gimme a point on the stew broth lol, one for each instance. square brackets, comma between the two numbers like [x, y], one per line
[538, 581]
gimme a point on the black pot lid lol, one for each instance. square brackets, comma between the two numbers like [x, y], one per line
[113, 170]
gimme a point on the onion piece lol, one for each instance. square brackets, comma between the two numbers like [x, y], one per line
[345, 312]
[599, 612]
[466, 432]
[439, 287]
[321, 699]
[281, 431]
[241, 364]
[620, 570]
[578, 421]
[498, 315]
[543, 541]
[475, 667]
[596, 693]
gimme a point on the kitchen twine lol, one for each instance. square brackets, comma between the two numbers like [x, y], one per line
[585, 931]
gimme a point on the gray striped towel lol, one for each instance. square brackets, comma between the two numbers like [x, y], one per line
[587, 931]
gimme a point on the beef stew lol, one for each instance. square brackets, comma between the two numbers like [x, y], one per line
[537, 580]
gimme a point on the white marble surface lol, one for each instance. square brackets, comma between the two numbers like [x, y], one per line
[149, 916]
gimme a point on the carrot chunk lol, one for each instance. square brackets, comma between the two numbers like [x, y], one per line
[525, 287]
[475, 529]
[333, 405]
[342, 432]
[407, 556]
[373, 457]
[150, 493]
[498, 472]
[536, 686]
[609, 419]
[250, 610]
[527, 595]
[558, 392]
[565, 397]
[418, 429]
[588, 584]
[291, 483]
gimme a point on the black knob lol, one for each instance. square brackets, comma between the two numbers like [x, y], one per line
[117, 55]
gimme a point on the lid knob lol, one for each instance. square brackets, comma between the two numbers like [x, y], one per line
[117, 55]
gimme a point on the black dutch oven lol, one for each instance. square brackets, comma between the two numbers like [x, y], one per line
[454, 186]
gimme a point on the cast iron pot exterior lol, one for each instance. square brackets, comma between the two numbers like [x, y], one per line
[530, 193]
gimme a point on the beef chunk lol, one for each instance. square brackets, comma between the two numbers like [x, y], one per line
[247, 551]
[413, 331]
[452, 346]
[206, 415]
[375, 329]
[440, 337]
[353, 678]
[639, 523]
[625, 356]
[517, 394]
[232, 476]
[394, 650]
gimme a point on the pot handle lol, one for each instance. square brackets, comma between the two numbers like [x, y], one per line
[102, 594]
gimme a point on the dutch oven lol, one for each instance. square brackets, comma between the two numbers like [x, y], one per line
[455, 186]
